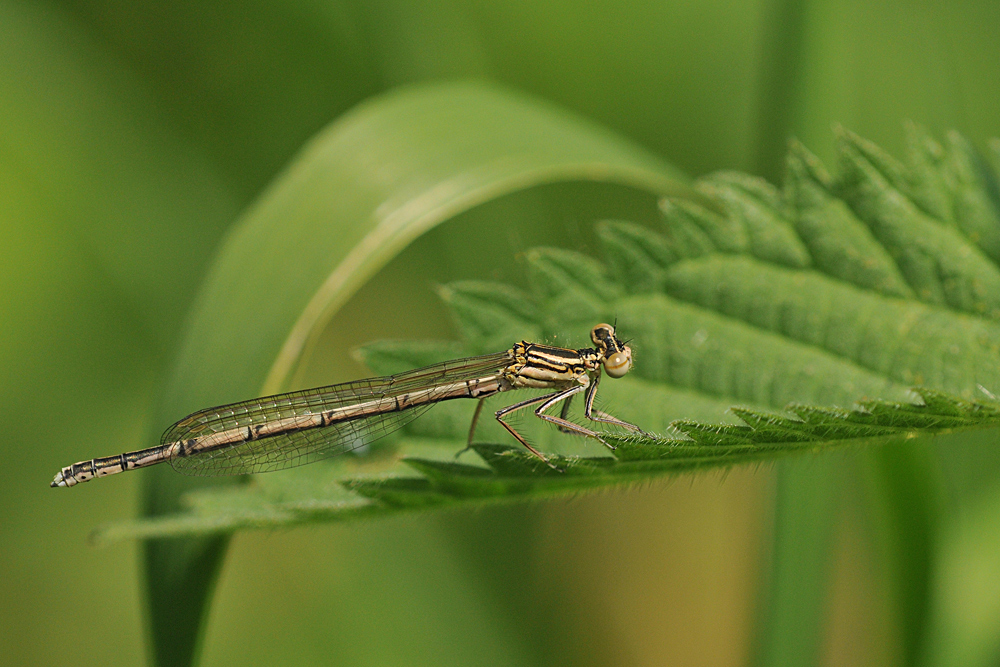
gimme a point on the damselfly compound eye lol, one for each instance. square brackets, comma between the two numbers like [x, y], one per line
[619, 363]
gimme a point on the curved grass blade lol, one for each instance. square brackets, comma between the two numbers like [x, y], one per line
[355, 197]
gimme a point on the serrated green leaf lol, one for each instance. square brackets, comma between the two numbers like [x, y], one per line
[941, 265]
[490, 315]
[729, 327]
[391, 357]
[757, 205]
[637, 256]
[726, 435]
[929, 187]
[769, 427]
[903, 341]
[692, 230]
[570, 288]
[975, 196]
[757, 307]
[840, 244]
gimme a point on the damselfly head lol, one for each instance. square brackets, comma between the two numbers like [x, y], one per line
[617, 355]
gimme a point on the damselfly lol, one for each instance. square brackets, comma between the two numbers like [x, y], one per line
[300, 427]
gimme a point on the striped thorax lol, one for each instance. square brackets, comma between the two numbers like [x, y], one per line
[543, 367]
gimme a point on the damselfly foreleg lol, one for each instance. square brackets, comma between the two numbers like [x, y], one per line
[591, 413]
[596, 415]
[563, 423]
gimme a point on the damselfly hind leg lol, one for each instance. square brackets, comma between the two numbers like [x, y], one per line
[472, 427]
[500, 414]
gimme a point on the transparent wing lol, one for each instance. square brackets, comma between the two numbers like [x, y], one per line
[294, 448]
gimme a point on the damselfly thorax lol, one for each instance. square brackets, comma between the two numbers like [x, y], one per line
[286, 430]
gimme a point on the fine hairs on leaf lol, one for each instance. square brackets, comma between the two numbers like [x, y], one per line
[841, 310]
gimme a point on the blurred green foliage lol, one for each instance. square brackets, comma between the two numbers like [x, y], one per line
[132, 134]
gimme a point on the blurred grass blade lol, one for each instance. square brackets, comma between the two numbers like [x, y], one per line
[965, 613]
[793, 607]
[907, 501]
[776, 119]
[358, 194]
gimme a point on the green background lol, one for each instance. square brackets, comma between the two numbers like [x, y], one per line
[132, 136]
